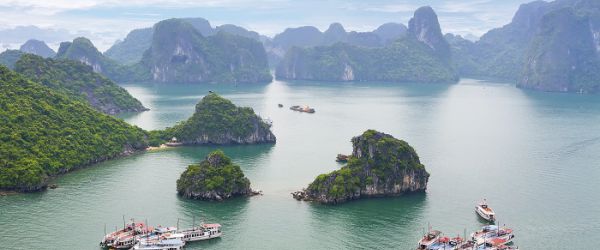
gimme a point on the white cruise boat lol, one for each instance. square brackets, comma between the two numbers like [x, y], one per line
[485, 211]
[203, 232]
[167, 241]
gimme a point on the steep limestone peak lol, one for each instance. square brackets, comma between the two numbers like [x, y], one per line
[425, 27]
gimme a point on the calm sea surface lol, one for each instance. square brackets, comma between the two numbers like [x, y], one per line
[534, 156]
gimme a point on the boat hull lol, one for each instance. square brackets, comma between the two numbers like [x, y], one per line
[484, 215]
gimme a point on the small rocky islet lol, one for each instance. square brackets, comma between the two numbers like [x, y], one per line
[215, 178]
[380, 165]
[219, 121]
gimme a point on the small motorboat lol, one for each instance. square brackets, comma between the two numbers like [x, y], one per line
[484, 210]
[280, 105]
[429, 239]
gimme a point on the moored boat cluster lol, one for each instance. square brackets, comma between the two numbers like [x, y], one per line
[138, 235]
[489, 237]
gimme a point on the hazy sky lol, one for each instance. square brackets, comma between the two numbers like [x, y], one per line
[104, 21]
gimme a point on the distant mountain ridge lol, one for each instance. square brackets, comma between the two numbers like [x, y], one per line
[423, 55]
[132, 48]
[37, 47]
[180, 53]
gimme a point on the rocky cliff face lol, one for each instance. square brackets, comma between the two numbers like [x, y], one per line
[82, 50]
[179, 53]
[215, 178]
[380, 165]
[505, 52]
[562, 56]
[37, 47]
[218, 121]
[425, 27]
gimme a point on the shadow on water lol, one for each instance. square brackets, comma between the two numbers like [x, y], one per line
[360, 223]
[236, 152]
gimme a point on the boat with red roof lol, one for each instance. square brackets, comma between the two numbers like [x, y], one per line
[122, 238]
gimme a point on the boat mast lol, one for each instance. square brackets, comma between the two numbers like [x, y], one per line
[123, 221]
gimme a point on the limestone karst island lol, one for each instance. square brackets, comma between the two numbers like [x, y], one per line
[388, 124]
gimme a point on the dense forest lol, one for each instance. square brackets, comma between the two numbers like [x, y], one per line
[380, 165]
[44, 133]
[79, 81]
[218, 121]
[215, 178]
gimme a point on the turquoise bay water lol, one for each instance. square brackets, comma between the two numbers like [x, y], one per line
[533, 155]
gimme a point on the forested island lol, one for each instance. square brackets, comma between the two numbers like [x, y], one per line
[218, 121]
[78, 81]
[215, 178]
[45, 132]
[50, 131]
[380, 165]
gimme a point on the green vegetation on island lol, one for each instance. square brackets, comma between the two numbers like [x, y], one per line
[45, 133]
[9, 57]
[380, 165]
[78, 81]
[215, 178]
[82, 50]
[218, 121]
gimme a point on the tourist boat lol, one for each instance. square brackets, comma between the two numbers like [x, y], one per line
[495, 244]
[446, 243]
[429, 239]
[132, 229]
[203, 232]
[493, 233]
[442, 243]
[166, 241]
[485, 211]
[305, 109]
